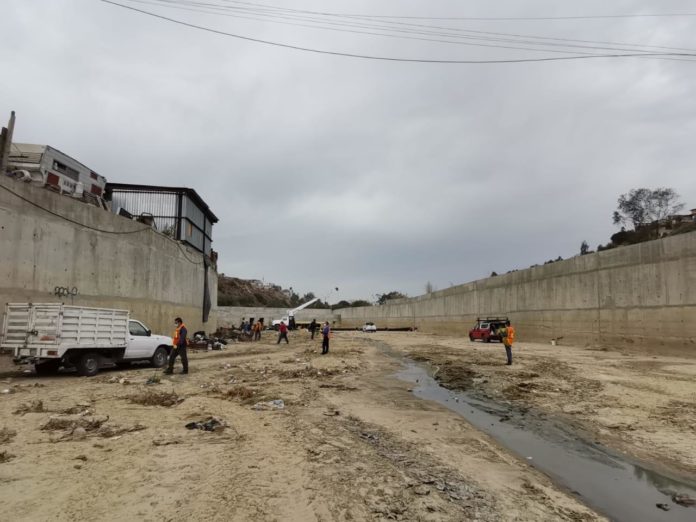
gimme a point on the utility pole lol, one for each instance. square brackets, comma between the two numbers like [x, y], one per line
[6, 143]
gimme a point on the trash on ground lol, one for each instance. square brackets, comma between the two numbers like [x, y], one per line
[153, 379]
[155, 398]
[32, 407]
[683, 500]
[663, 507]
[71, 422]
[276, 404]
[210, 424]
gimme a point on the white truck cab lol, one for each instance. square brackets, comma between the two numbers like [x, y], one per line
[52, 335]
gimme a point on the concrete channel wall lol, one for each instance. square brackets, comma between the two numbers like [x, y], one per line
[133, 267]
[642, 296]
[232, 315]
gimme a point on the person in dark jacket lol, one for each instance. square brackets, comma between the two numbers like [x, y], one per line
[326, 333]
[179, 348]
[313, 327]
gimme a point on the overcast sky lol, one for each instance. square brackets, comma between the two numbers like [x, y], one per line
[368, 175]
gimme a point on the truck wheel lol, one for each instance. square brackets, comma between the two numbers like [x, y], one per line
[471, 338]
[88, 364]
[159, 358]
[47, 368]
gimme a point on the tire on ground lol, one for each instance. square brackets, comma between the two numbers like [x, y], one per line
[88, 365]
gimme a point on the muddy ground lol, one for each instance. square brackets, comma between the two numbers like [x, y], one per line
[351, 442]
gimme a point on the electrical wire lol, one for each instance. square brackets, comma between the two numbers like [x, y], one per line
[403, 27]
[475, 18]
[114, 232]
[69, 219]
[396, 59]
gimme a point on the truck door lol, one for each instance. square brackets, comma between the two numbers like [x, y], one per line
[138, 341]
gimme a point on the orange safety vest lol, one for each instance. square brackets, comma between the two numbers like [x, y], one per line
[510, 335]
[176, 334]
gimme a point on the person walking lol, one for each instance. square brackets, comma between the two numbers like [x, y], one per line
[507, 334]
[313, 326]
[257, 331]
[179, 349]
[326, 334]
[283, 332]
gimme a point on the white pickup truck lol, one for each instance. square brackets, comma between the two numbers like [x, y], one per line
[52, 335]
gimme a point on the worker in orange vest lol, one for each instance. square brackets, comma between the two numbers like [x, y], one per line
[179, 348]
[507, 334]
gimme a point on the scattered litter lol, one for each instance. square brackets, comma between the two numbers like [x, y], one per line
[72, 422]
[123, 380]
[332, 413]
[33, 407]
[153, 379]
[210, 424]
[155, 398]
[7, 391]
[683, 500]
[663, 507]
[6, 435]
[239, 392]
[276, 404]
[83, 458]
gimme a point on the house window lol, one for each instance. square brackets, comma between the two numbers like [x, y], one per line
[64, 169]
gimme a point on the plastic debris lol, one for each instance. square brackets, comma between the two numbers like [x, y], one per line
[276, 404]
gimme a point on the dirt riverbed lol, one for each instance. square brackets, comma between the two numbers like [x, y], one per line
[349, 442]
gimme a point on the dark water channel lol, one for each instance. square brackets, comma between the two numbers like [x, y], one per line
[603, 480]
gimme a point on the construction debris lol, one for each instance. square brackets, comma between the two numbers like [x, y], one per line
[210, 424]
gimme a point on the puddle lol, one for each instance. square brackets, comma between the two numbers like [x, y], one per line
[615, 487]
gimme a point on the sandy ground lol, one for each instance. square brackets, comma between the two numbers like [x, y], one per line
[351, 443]
[643, 406]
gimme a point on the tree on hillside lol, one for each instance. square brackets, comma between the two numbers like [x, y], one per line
[584, 248]
[429, 288]
[360, 302]
[383, 298]
[643, 206]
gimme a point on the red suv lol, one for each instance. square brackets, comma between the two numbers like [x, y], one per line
[485, 329]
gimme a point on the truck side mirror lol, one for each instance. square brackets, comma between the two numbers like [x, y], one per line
[149, 333]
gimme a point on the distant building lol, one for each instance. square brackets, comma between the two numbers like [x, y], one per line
[46, 166]
[178, 212]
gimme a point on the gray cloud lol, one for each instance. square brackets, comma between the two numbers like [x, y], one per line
[369, 176]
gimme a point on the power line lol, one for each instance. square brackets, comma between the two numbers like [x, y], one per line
[276, 12]
[476, 18]
[69, 219]
[396, 59]
[354, 22]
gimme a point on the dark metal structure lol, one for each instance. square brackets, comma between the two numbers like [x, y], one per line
[178, 212]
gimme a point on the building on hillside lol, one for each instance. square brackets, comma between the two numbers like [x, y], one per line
[48, 167]
[178, 212]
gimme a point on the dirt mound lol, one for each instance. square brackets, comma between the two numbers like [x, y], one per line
[233, 291]
[156, 398]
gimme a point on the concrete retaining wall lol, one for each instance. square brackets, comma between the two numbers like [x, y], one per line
[133, 268]
[232, 315]
[643, 296]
